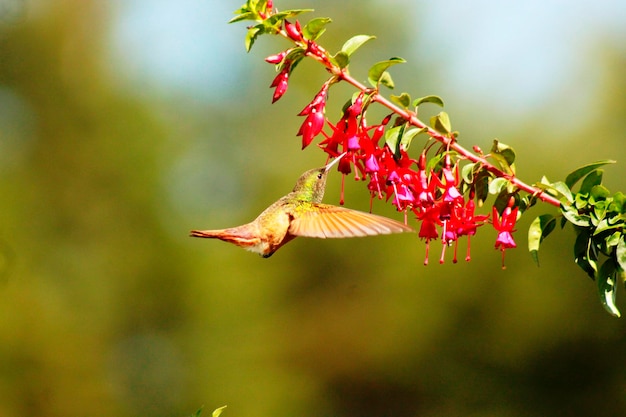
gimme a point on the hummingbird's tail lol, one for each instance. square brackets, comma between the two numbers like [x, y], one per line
[235, 235]
[241, 236]
[206, 233]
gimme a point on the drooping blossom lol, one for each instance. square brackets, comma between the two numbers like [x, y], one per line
[505, 226]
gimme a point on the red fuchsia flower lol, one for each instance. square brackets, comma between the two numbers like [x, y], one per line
[504, 225]
[449, 201]
[448, 182]
[400, 180]
[280, 82]
[315, 117]
[465, 222]
[343, 135]
[424, 187]
[430, 219]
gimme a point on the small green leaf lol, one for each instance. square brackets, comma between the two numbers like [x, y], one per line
[502, 200]
[620, 253]
[251, 36]
[497, 185]
[315, 28]
[287, 14]
[218, 411]
[618, 204]
[407, 137]
[441, 123]
[557, 189]
[243, 16]
[428, 99]
[539, 229]
[504, 155]
[527, 202]
[582, 255]
[577, 174]
[591, 180]
[467, 172]
[481, 185]
[598, 193]
[403, 100]
[198, 412]
[607, 286]
[392, 139]
[341, 59]
[386, 80]
[355, 43]
[377, 72]
[572, 215]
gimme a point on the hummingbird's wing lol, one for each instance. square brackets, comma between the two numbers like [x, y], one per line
[328, 221]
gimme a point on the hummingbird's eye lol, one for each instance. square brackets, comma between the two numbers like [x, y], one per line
[319, 176]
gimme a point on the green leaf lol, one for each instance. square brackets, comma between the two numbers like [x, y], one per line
[387, 81]
[403, 100]
[218, 411]
[497, 185]
[557, 189]
[539, 229]
[620, 253]
[481, 185]
[577, 174]
[355, 43]
[467, 172]
[598, 193]
[527, 202]
[287, 14]
[618, 204]
[572, 215]
[315, 28]
[251, 36]
[441, 123]
[392, 139]
[591, 180]
[582, 255]
[428, 99]
[198, 412]
[376, 74]
[408, 136]
[244, 16]
[607, 286]
[504, 156]
[502, 201]
[341, 59]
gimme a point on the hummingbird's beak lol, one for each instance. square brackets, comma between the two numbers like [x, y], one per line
[334, 161]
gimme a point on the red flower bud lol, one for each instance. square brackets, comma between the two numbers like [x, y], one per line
[276, 59]
[281, 84]
[293, 31]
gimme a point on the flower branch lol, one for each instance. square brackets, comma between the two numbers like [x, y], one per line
[447, 182]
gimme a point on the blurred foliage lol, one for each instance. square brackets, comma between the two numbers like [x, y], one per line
[107, 308]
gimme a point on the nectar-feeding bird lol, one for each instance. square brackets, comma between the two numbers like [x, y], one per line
[302, 213]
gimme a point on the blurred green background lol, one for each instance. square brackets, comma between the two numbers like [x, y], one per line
[123, 125]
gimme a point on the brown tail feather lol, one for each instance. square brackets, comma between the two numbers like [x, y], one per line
[235, 235]
[206, 233]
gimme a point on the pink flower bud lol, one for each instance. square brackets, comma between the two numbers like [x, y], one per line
[276, 59]
[293, 31]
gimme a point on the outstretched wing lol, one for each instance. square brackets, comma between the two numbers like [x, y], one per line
[328, 221]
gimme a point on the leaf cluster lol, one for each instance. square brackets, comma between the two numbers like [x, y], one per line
[599, 221]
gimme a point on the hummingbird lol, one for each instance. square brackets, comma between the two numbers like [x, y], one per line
[302, 213]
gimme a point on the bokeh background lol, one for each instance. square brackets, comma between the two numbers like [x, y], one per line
[125, 124]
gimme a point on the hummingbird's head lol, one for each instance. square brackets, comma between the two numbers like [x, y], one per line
[312, 184]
